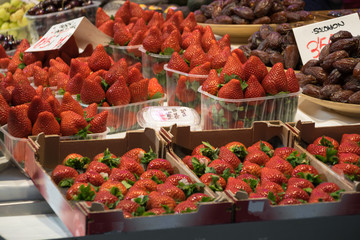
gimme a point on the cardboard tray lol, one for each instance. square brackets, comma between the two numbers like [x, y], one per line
[45, 152]
[278, 134]
[305, 133]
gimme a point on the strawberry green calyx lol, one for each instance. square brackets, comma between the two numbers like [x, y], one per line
[85, 194]
[61, 91]
[295, 160]
[168, 51]
[240, 152]
[226, 174]
[86, 118]
[252, 183]
[82, 134]
[140, 211]
[142, 201]
[331, 156]
[156, 179]
[191, 188]
[271, 196]
[148, 157]
[266, 149]
[209, 151]
[104, 84]
[315, 179]
[336, 195]
[210, 170]
[214, 185]
[232, 76]
[77, 163]
[68, 182]
[167, 209]
[116, 192]
[239, 168]
[128, 184]
[156, 95]
[199, 168]
[108, 160]
[308, 190]
[194, 85]
[206, 199]
[325, 142]
[188, 210]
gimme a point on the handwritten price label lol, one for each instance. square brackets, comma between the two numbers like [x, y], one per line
[312, 38]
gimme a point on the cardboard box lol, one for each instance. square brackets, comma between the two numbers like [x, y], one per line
[45, 152]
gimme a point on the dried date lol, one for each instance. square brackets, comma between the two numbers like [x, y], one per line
[305, 15]
[355, 98]
[274, 40]
[262, 8]
[305, 79]
[327, 90]
[312, 90]
[318, 72]
[265, 30]
[262, 20]
[335, 77]
[277, 6]
[352, 84]
[347, 44]
[341, 96]
[276, 57]
[333, 57]
[324, 52]
[229, 9]
[356, 71]
[279, 17]
[238, 20]
[293, 16]
[340, 35]
[199, 17]
[264, 56]
[346, 65]
[310, 63]
[283, 28]
[244, 12]
[291, 56]
[296, 6]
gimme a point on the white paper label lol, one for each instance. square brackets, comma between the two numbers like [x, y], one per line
[312, 38]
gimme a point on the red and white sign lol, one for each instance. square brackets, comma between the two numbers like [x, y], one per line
[312, 38]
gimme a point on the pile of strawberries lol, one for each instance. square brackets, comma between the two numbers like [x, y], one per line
[345, 157]
[282, 175]
[123, 183]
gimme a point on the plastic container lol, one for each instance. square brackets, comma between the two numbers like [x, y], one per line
[131, 54]
[18, 33]
[184, 94]
[156, 117]
[221, 113]
[153, 66]
[40, 24]
[14, 147]
[123, 118]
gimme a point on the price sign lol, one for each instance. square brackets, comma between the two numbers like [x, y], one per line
[312, 38]
[83, 30]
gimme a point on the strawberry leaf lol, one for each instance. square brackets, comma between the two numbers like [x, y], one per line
[336, 195]
[104, 84]
[22, 66]
[206, 199]
[188, 210]
[168, 51]
[156, 95]
[116, 192]
[61, 91]
[232, 76]
[190, 189]
[82, 134]
[243, 85]
[78, 97]
[219, 70]
[325, 142]
[210, 170]
[126, 184]
[308, 190]
[295, 160]
[149, 156]
[167, 209]
[142, 200]
[271, 196]
[21, 56]
[239, 151]
[126, 43]
[239, 168]
[109, 160]
[214, 185]
[199, 168]
[266, 149]
[148, 213]
[68, 182]
[112, 18]
[77, 163]
[85, 194]
[156, 179]
[209, 151]
[252, 183]
[331, 156]
[226, 174]
[140, 211]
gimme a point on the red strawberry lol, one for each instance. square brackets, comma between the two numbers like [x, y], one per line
[296, 193]
[4, 63]
[3, 52]
[106, 198]
[92, 177]
[349, 158]
[98, 123]
[220, 59]
[280, 164]
[70, 104]
[88, 50]
[121, 175]
[227, 156]
[258, 157]
[234, 185]
[77, 66]
[240, 54]
[101, 17]
[124, 12]
[214, 181]
[134, 75]
[254, 90]
[191, 51]
[99, 59]
[36, 106]
[127, 205]
[254, 66]
[327, 142]
[304, 169]
[175, 179]
[198, 197]
[232, 66]
[59, 64]
[41, 76]
[220, 166]
[177, 63]
[263, 146]
[188, 22]
[198, 58]
[152, 42]
[275, 81]
[46, 123]
[300, 183]
[225, 42]
[147, 184]
[139, 90]
[4, 110]
[114, 187]
[272, 175]
[349, 170]
[71, 123]
[186, 206]
[251, 168]
[289, 201]
[19, 125]
[118, 93]
[81, 191]
[119, 69]
[320, 196]
[122, 35]
[132, 165]
[328, 187]
[55, 106]
[270, 186]
[156, 200]
[167, 29]
[136, 10]
[171, 43]
[352, 137]
[74, 84]
[156, 21]
[64, 176]
[206, 38]
[154, 174]
[203, 69]
[247, 176]
[91, 91]
[214, 50]
[107, 28]
[139, 26]
[14, 62]
[284, 152]
[349, 147]
[211, 84]
[197, 163]
[135, 192]
[155, 90]
[193, 38]
[139, 154]
[161, 164]
[317, 149]
[292, 81]
[170, 190]
[98, 167]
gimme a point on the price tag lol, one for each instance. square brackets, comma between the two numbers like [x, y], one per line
[82, 29]
[312, 38]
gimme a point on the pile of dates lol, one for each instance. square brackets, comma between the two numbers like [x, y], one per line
[342, 12]
[252, 11]
[274, 45]
[335, 75]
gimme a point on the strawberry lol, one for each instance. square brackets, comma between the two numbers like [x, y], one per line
[139, 26]
[46, 123]
[349, 147]
[114, 187]
[101, 17]
[147, 15]
[136, 10]
[92, 91]
[202, 69]
[225, 42]
[156, 21]
[147, 184]
[90, 111]
[175, 179]
[106, 198]
[155, 90]
[140, 155]
[254, 66]
[272, 175]
[258, 157]
[134, 75]
[64, 176]
[61, 79]
[284, 152]
[220, 166]
[4, 110]
[36, 106]
[70, 104]
[41, 76]
[99, 59]
[246, 177]
[275, 81]
[156, 200]
[280, 164]
[131, 165]
[124, 12]
[324, 154]
[320, 196]
[197, 163]
[306, 171]
[292, 81]
[349, 158]
[14, 62]
[234, 185]
[4, 63]
[92, 177]
[29, 58]
[81, 192]
[191, 51]
[74, 84]
[213, 181]
[186, 206]
[167, 29]
[211, 84]
[121, 175]
[220, 59]
[240, 54]
[227, 156]
[199, 197]
[77, 66]
[118, 93]
[232, 66]
[3, 52]
[296, 193]
[54, 105]
[107, 158]
[161, 164]
[328, 187]
[352, 137]
[188, 22]
[289, 201]
[263, 146]
[231, 90]
[198, 58]
[184, 94]
[139, 90]
[273, 198]
[152, 41]
[71, 123]
[76, 161]
[127, 205]
[135, 192]
[177, 63]
[270, 186]
[190, 39]
[89, 48]
[349, 170]
[98, 123]
[171, 43]
[214, 50]
[19, 125]
[154, 174]
[206, 38]
[119, 69]
[254, 90]
[327, 142]
[251, 168]
[170, 190]
[59, 64]
[300, 183]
